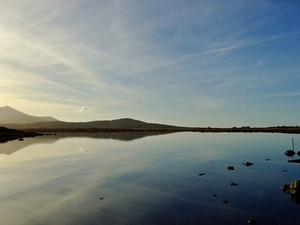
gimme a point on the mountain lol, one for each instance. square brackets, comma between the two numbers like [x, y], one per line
[9, 115]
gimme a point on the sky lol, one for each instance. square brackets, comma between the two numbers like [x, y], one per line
[217, 63]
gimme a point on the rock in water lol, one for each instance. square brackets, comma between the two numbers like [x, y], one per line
[230, 168]
[247, 163]
[289, 153]
[252, 221]
[291, 188]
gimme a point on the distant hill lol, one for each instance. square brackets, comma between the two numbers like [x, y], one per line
[124, 124]
[15, 119]
[9, 115]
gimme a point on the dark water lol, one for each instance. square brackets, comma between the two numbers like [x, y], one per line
[149, 180]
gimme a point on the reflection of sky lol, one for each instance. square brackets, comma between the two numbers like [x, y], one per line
[153, 180]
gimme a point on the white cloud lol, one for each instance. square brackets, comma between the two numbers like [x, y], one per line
[84, 109]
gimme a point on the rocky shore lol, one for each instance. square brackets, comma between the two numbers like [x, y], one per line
[7, 134]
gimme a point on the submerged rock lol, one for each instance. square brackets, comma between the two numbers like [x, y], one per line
[233, 184]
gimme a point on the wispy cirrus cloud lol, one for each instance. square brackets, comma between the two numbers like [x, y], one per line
[124, 58]
[279, 95]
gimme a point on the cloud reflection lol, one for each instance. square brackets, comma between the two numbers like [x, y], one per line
[151, 180]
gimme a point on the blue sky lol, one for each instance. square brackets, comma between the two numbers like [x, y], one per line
[211, 63]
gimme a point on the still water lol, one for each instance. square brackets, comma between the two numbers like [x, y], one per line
[131, 179]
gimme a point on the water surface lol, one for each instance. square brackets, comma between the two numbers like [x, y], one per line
[149, 180]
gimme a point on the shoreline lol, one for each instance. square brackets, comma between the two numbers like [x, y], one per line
[7, 134]
[289, 130]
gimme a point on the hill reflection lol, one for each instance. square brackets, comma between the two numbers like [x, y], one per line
[10, 146]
